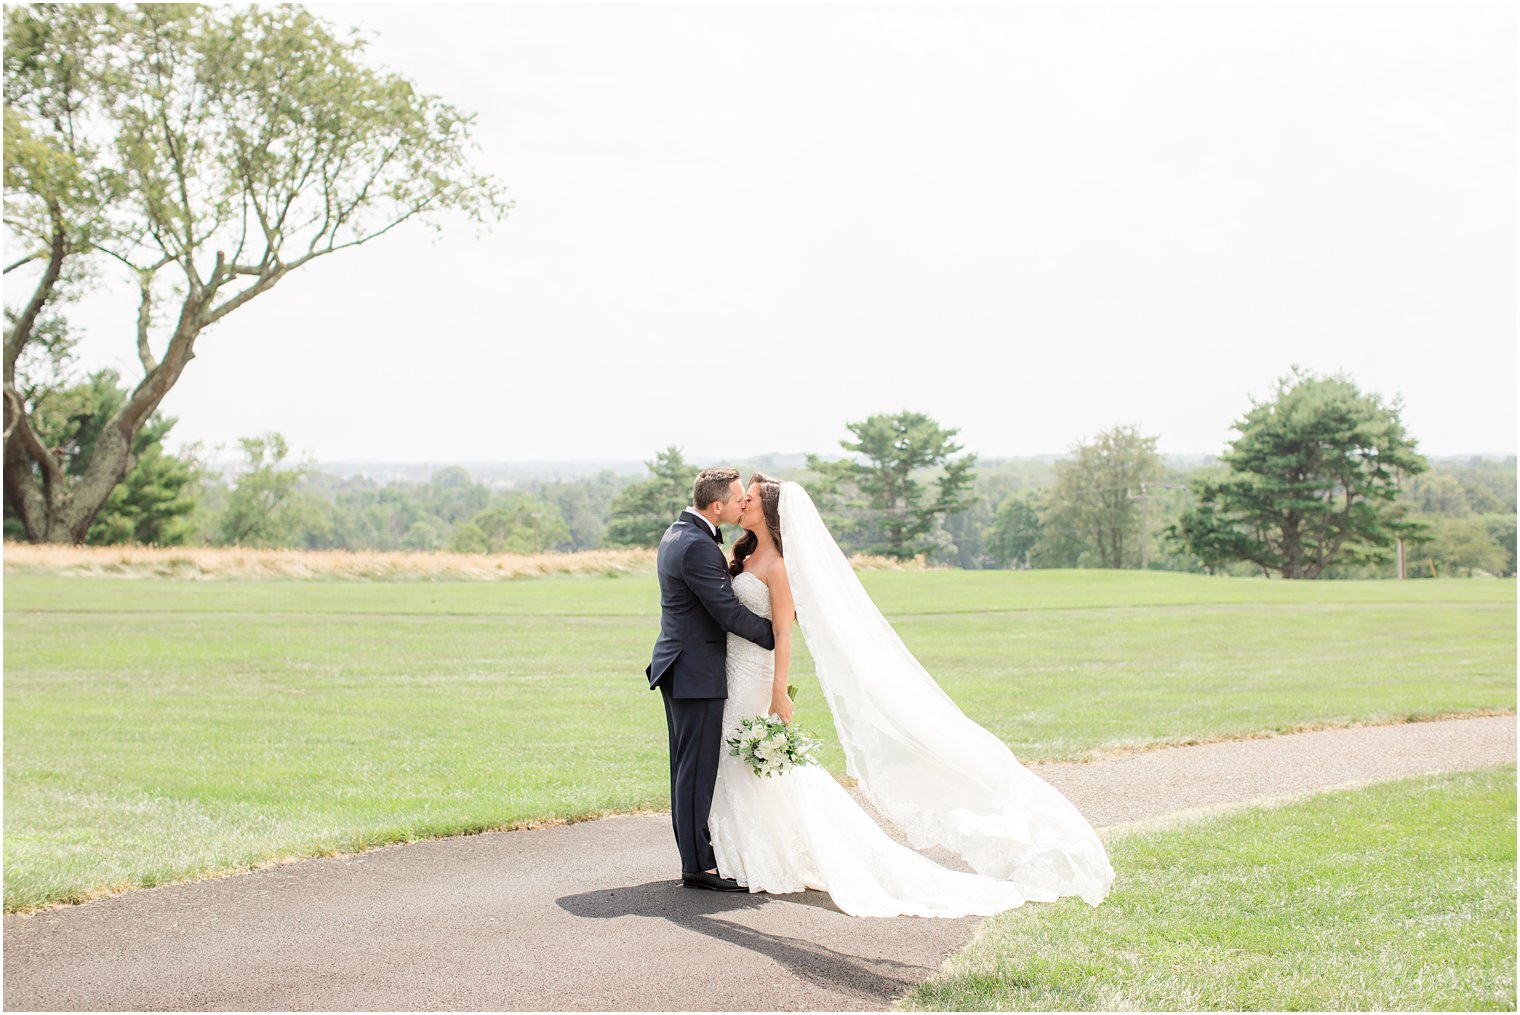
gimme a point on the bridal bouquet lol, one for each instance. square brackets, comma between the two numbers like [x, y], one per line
[770, 746]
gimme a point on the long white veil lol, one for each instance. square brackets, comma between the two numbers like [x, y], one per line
[938, 776]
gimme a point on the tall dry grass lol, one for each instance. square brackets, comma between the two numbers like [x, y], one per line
[374, 565]
[871, 562]
[202, 563]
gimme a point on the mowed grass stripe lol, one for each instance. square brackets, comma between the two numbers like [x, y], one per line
[897, 593]
[237, 706]
[1396, 897]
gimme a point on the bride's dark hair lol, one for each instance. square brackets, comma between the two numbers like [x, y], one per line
[770, 503]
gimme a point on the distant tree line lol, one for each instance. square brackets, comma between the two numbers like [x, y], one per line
[272, 501]
[1320, 483]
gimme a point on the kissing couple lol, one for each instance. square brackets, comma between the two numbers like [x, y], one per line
[723, 656]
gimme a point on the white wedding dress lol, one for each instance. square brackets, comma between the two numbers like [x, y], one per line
[941, 778]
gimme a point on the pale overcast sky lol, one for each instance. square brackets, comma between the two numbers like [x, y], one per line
[739, 227]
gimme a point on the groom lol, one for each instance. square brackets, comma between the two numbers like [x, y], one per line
[697, 608]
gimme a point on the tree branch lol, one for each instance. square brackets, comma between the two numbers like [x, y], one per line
[14, 408]
[21, 485]
[152, 388]
[184, 196]
[266, 281]
[362, 239]
[295, 189]
[138, 269]
[22, 332]
[243, 232]
[28, 259]
[144, 319]
[53, 480]
[363, 194]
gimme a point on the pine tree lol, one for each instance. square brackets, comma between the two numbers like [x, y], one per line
[888, 508]
[1313, 480]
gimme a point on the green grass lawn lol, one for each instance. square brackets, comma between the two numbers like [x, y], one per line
[1400, 896]
[160, 729]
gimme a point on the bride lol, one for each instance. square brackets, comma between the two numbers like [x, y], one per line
[939, 777]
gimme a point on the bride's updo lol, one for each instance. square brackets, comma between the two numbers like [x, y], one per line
[770, 503]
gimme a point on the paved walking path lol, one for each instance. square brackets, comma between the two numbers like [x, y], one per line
[587, 916]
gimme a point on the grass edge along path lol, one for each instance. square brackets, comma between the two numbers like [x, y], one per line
[373, 843]
[1362, 898]
[1282, 730]
[298, 855]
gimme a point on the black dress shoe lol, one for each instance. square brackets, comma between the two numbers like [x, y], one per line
[702, 879]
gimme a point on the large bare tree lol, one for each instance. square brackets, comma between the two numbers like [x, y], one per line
[198, 154]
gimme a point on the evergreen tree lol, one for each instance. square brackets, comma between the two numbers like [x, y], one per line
[1313, 481]
[889, 506]
[642, 512]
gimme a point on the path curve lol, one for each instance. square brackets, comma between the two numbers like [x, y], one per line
[587, 916]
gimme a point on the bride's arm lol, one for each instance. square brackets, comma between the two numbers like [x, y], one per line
[783, 611]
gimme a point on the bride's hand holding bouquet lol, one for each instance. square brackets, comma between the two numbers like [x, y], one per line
[781, 704]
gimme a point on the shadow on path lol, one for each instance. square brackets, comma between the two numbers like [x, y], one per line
[703, 912]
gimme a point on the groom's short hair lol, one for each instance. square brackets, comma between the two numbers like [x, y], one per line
[716, 483]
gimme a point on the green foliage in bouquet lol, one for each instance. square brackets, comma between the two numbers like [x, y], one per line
[771, 747]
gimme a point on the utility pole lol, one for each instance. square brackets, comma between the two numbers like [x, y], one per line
[1145, 525]
[1145, 516]
[1400, 539]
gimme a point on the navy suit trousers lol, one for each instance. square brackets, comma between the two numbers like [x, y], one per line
[696, 738]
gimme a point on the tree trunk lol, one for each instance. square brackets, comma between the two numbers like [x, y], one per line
[61, 511]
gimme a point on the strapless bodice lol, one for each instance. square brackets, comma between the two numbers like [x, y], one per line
[750, 669]
[754, 593]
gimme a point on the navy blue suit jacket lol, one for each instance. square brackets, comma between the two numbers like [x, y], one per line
[698, 609]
